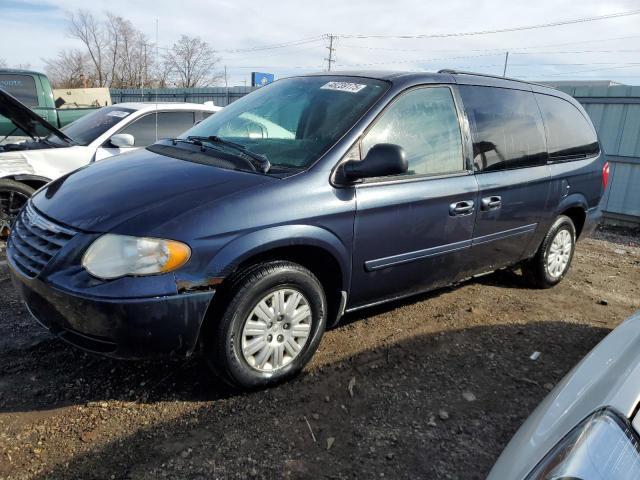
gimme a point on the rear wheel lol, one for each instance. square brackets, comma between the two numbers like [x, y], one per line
[13, 196]
[553, 259]
[270, 327]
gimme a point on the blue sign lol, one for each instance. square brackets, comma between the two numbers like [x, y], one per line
[259, 79]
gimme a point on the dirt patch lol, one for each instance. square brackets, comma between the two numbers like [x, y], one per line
[432, 387]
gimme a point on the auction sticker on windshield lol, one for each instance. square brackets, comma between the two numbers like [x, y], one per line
[118, 113]
[343, 86]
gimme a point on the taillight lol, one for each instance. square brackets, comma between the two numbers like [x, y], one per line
[605, 174]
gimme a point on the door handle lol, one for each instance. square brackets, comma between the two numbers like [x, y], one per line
[461, 208]
[491, 203]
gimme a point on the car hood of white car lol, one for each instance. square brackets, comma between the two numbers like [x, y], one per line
[608, 376]
[48, 163]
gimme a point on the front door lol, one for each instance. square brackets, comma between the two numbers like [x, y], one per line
[413, 231]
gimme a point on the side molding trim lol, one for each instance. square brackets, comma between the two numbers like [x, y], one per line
[380, 263]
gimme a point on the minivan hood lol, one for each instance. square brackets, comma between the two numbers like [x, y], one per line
[137, 185]
[24, 118]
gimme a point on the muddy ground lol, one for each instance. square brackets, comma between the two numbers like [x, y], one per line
[432, 387]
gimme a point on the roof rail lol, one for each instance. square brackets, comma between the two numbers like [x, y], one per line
[461, 72]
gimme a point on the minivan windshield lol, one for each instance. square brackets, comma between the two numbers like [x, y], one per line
[293, 121]
[86, 129]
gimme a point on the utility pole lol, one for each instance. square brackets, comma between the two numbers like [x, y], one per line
[226, 85]
[506, 60]
[142, 74]
[330, 59]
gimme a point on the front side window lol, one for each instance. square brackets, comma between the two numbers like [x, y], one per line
[569, 134]
[506, 127]
[169, 125]
[295, 120]
[86, 129]
[23, 87]
[424, 122]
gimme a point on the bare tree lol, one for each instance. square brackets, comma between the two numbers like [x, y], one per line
[70, 69]
[130, 53]
[191, 62]
[86, 28]
[3, 63]
[114, 53]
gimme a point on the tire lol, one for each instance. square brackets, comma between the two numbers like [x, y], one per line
[229, 346]
[541, 271]
[13, 195]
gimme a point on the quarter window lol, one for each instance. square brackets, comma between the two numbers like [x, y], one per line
[569, 134]
[424, 122]
[170, 125]
[506, 127]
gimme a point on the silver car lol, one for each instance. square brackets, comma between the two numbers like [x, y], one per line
[588, 427]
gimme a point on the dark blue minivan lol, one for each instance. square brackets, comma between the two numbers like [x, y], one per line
[311, 197]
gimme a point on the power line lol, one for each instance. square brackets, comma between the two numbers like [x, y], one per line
[499, 30]
[594, 70]
[290, 51]
[499, 51]
[575, 52]
[275, 45]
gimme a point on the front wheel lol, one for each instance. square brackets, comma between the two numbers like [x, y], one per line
[13, 196]
[553, 259]
[270, 328]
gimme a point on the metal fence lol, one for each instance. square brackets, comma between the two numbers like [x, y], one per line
[615, 112]
[221, 96]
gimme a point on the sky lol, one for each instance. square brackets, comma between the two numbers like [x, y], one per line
[33, 30]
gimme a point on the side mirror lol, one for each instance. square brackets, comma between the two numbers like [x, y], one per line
[382, 160]
[122, 140]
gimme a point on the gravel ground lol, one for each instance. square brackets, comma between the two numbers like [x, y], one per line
[431, 387]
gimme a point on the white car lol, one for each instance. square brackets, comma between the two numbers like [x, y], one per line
[109, 131]
[588, 427]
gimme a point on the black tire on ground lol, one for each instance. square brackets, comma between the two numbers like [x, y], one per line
[536, 270]
[13, 195]
[223, 337]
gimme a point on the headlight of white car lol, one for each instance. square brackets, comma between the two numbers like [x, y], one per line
[113, 256]
[602, 447]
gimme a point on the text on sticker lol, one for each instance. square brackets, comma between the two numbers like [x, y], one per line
[343, 86]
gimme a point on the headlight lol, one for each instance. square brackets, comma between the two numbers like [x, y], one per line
[113, 256]
[602, 447]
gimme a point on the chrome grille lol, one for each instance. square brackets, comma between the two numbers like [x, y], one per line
[34, 241]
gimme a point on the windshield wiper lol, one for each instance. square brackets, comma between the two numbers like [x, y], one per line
[263, 162]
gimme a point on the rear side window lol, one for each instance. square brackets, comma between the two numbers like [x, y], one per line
[170, 125]
[424, 122]
[506, 127]
[569, 134]
[23, 87]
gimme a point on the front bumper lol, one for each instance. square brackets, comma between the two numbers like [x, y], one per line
[120, 328]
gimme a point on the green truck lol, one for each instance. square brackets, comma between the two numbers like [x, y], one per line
[34, 90]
